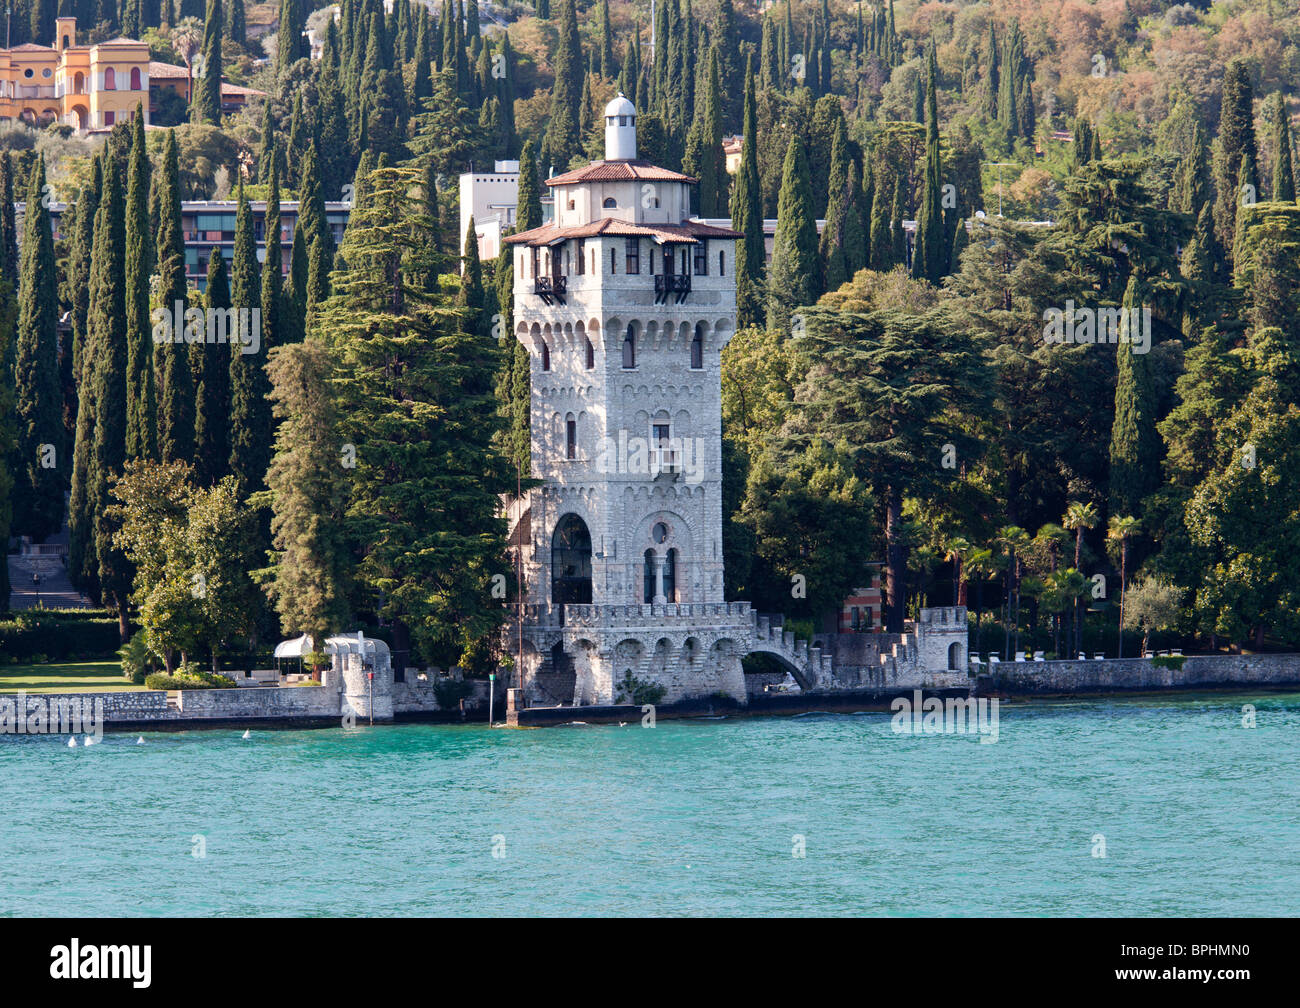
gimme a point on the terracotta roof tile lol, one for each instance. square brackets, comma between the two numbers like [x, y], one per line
[619, 171]
[687, 233]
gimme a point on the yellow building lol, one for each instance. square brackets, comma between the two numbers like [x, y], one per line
[88, 87]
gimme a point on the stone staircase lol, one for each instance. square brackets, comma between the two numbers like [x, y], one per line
[814, 667]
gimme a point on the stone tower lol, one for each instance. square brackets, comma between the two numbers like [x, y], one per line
[624, 304]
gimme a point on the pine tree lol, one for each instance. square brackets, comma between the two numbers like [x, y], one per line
[38, 476]
[250, 409]
[205, 107]
[141, 400]
[212, 388]
[1134, 443]
[425, 491]
[311, 559]
[176, 412]
[747, 218]
[793, 278]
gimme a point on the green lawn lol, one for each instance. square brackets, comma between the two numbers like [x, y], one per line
[74, 677]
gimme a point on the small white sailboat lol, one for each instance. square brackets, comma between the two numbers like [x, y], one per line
[248, 734]
[72, 742]
[140, 740]
[89, 740]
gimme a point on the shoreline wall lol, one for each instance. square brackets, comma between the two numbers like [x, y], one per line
[1123, 675]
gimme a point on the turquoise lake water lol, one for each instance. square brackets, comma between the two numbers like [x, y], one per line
[1200, 815]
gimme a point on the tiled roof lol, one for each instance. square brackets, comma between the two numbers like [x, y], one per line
[619, 171]
[687, 233]
[30, 46]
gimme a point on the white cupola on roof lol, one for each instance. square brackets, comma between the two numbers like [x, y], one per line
[620, 130]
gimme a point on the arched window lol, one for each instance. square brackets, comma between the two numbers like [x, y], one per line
[629, 347]
[79, 84]
[570, 437]
[648, 593]
[591, 355]
[135, 78]
[571, 562]
[110, 79]
[697, 348]
[610, 203]
[546, 357]
[954, 657]
[670, 576]
[722, 264]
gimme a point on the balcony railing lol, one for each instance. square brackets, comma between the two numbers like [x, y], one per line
[551, 289]
[669, 284]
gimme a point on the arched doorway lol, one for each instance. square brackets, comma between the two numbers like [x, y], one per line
[571, 562]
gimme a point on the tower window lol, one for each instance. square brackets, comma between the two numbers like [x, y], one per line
[697, 348]
[580, 257]
[701, 260]
[722, 263]
[546, 357]
[610, 203]
[629, 348]
[570, 438]
[670, 576]
[633, 256]
[591, 356]
[648, 586]
[613, 262]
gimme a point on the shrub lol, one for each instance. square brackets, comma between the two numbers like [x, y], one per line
[59, 635]
[639, 691]
[137, 660]
[188, 676]
[1167, 661]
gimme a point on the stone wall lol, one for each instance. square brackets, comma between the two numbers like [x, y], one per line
[1138, 674]
[139, 705]
[261, 702]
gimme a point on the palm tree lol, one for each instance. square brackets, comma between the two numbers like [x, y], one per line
[1079, 515]
[1120, 531]
[1013, 538]
[980, 563]
[958, 548]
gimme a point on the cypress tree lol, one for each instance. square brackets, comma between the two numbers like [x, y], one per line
[270, 154]
[833, 255]
[206, 104]
[747, 217]
[38, 477]
[289, 42]
[1283, 178]
[237, 31]
[562, 139]
[1236, 141]
[295, 296]
[529, 212]
[176, 413]
[250, 410]
[80, 268]
[855, 225]
[793, 275]
[930, 258]
[141, 401]
[107, 322]
[1134, 441]
[606, 43]
[212, 391]
[880, 251]
[8, 225]
[897, 235]
[274, 331]
[470, 298]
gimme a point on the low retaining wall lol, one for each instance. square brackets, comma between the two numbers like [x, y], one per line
[258, 702]
[135, 706]
[1120, 675]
